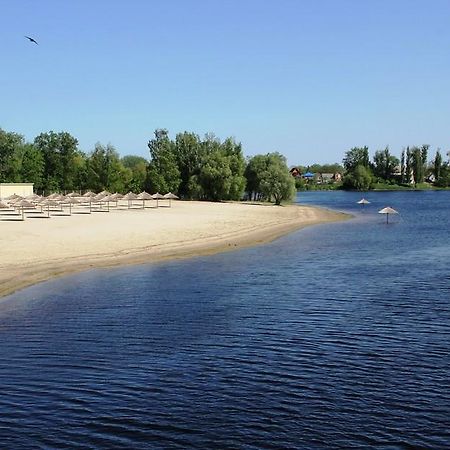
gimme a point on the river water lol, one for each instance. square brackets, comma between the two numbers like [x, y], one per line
[333, 337]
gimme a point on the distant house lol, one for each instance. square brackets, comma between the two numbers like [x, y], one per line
[328, 178]
[397, 171]
[22, 189]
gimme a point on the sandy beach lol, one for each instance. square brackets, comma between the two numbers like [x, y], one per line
[38, 249]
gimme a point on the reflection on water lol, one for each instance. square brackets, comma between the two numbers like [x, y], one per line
[335, 336]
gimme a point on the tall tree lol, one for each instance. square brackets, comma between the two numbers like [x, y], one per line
[32, 167]
[105, 171]
[403, 168]
[357, 156]
[189, 154]
[424, 154]
[162, 172]
[408, 166]
[437, 166]
[417, 165]
[384, 164]
[138, 167]
[360, 178]
[59, 151]
[268, 178]
[10, 155]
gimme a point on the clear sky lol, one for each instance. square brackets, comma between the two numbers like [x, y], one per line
[307, 78]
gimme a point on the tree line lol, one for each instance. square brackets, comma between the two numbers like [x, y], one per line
[192, 167]
[412, 169]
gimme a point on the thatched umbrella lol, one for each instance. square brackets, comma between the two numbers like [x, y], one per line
[24, 204]
[103, 193]
[33, 197]
[70, 201]
[89, 194]
[4, 206]
[14, 197]
[53, 196]
[170, 197]
[157, 197]
[388, 210]
[48, 202]
[363, 202]
[101, 198]
[144, 196]
[115, 197]
[130, 197]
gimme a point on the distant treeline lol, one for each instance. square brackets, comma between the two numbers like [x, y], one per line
[413, 169]
[194, 168]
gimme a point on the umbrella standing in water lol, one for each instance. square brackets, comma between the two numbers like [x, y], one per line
[363, 202]
[388, 210]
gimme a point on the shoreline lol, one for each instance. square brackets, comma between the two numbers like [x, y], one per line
[40, 250]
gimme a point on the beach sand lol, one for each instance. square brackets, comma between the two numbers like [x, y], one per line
[39, 249]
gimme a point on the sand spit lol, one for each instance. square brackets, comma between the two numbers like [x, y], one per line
[38, 249]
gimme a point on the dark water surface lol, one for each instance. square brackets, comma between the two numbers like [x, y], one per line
[333, 337]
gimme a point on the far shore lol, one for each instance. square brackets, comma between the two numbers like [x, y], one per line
[36, 250]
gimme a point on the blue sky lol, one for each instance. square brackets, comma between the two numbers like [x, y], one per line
[310, 79]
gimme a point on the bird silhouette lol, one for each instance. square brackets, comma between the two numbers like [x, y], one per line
[31, 39]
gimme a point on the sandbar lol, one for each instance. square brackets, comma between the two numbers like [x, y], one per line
[35, 250]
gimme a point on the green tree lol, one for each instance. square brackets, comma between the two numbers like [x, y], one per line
[10, 156]
[105, 171]
[384, 164]
[357, 156]
[417, 165]
[437, 166]
[32, 167]
[232, 151]
[81, 172]
[255, 167]
[138, 167]
[268, 178]
[408, 166]
[326, 168]
[360, 178]
[59, 151]
[403, 168]
[189, 153]
[162, 172]
[215, 177]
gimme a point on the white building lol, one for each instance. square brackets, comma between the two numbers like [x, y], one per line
[22, 189]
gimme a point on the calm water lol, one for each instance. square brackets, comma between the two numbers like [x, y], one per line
[333, 337]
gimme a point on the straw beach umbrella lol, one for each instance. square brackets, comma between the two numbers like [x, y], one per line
[22, 204]
[157, 197]
[48, 202]
[13, 197]
[115, 198]
[144, 196]
[363, 202]
[54, 196]
[70, 201]
[388, 210]
[130, 197]
[171, 197]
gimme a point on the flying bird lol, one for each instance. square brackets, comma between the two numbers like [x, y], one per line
[31, 39]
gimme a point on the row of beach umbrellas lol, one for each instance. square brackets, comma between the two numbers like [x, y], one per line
[55, 200]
